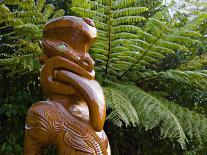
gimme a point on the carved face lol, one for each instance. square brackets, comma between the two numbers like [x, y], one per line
[68, 69]
[70, 37]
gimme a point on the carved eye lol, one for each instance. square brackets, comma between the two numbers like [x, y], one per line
[62, 46]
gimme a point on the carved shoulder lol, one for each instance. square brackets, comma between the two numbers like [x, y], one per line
[44, 120]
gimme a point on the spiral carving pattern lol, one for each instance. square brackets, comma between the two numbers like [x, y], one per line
[67, 79]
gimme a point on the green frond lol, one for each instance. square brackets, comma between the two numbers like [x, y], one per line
[94, 5]
[100, 45]
[81, 4]
[133, 47]
[31, 30]
[27, 4]
[58, 13]
[181, 40]
[189, 33]
[118, 49]
[25, 26]
[20, 64]
[120, 41]
[115, 20]
[154, 113]
[172, 45]
[175, 122]
[194, 124]
[129, 11]
[126, 28]
[154, 22]
[149, 58]
[196, 79]
[4, 9]
[164, 50]
[155, 55]
[82, 12]
[196, 63]
[141, 43]
[28, 47]
[119, 4]
[158, 38]
[40, 4]
[122, 109]
[125, 35]
[146, 36]
[99, 51]
[101, 26]
[100, 57]
[128, 19]
[193, 25]
[48, 11]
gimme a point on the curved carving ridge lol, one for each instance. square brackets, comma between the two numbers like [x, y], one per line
[75, 108]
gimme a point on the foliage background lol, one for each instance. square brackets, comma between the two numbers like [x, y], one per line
[177, 77]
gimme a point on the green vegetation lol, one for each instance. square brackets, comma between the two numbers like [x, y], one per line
[151, 65]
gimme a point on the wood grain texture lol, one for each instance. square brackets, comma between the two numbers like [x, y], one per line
[73, 116]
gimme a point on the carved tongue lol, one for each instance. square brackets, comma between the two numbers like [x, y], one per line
[91, 91]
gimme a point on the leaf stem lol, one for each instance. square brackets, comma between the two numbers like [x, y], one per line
[109, 41]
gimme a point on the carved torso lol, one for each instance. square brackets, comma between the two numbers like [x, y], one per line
[73, 116]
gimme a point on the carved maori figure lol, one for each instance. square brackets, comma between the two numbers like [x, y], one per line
[73, 116]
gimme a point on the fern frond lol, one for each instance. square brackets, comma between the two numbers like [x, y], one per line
[126, 28]
[196, 79]
[132, 11]
[115, 20]
[40, 4]
[20, 64]
[90, 14]
[174, 121]
[48, 11]
[119, 4]
[158, 38]
[128, 19]
[196, 63]
[58, 13]
[25, 26]
[153, 113]
[122, 109]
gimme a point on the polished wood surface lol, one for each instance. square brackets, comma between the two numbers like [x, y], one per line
[73, 116]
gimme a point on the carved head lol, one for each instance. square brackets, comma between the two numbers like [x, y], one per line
[68, 68]
[70, 37]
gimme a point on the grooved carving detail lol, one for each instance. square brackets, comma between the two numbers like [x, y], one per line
[73, 115]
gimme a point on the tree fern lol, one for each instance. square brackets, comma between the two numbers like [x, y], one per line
[161, 41]
[125, 47]
[122, 45]
[197, 63]
[196, 79]
[114, 20]
[26, 23]
[122, 109]
[174, 121]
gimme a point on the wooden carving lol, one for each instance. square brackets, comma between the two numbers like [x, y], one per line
[73, 116]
